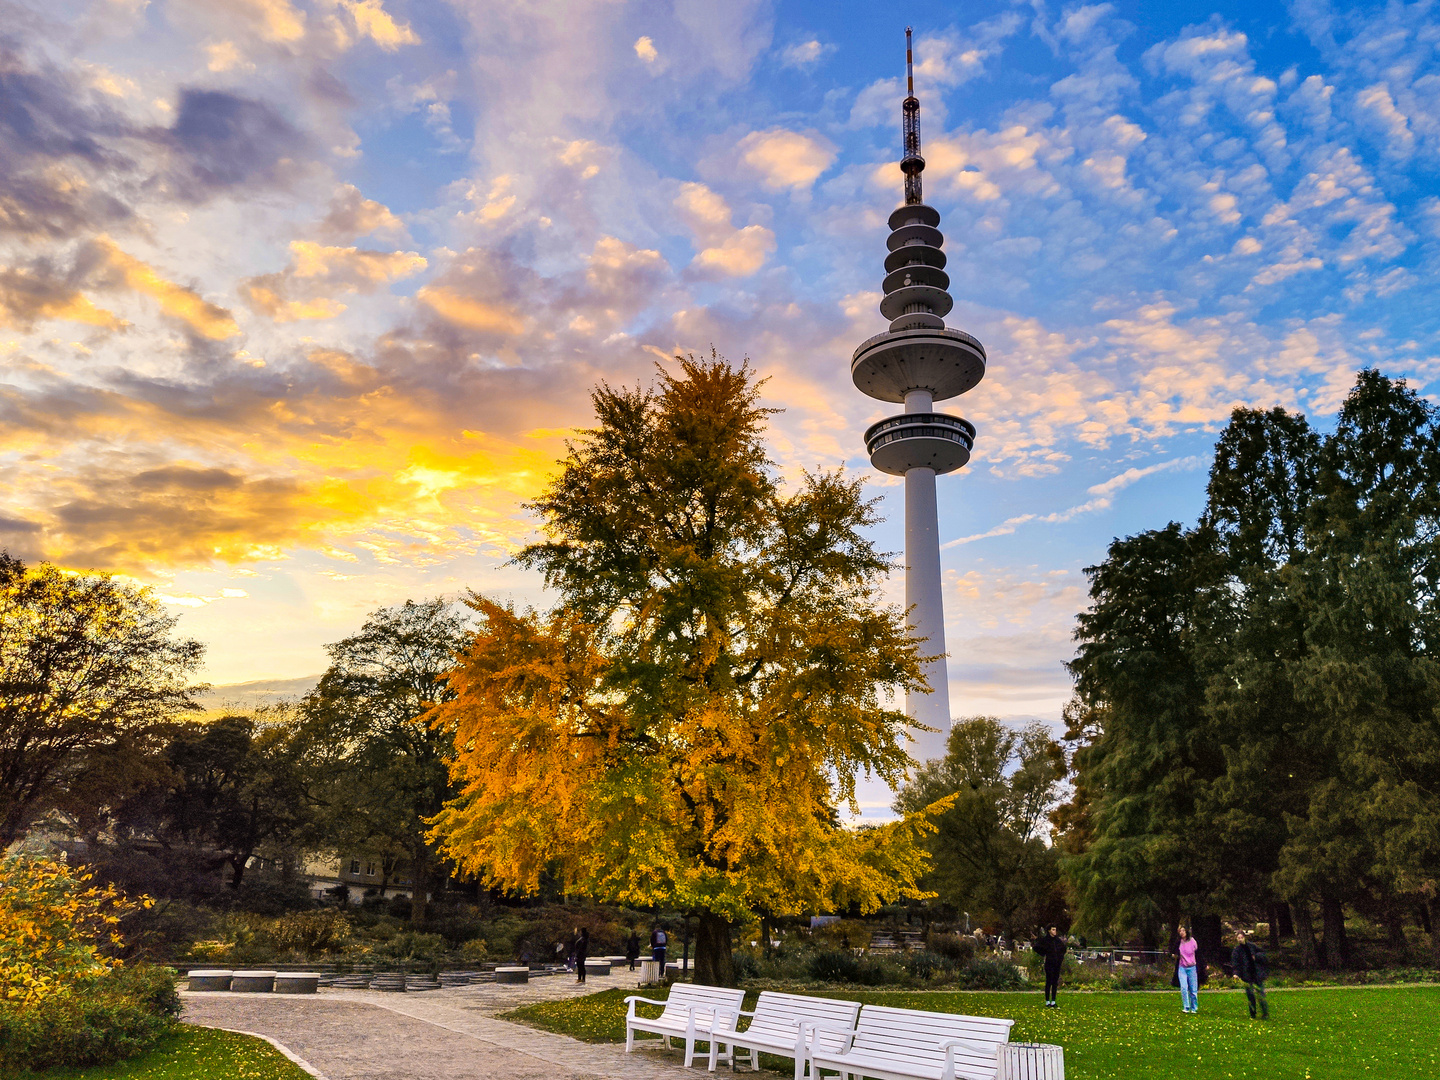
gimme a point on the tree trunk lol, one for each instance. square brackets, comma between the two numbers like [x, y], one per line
[1274, 927]
[420, 890]
[1337, 946]
[1304, 932]
[1435, 931]
[714, 962]
[237, 865]
[1395, 928]
[1422, 913]
[1282, 916]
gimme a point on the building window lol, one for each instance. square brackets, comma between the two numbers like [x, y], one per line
[369, 869]
[355, 866]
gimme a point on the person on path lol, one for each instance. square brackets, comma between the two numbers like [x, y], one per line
[1185, 951]
[658, 941]
[1251, 969]
[582, 950]
[1052, 948]
[632, 948]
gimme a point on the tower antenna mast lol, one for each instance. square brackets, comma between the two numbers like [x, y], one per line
[912, 164]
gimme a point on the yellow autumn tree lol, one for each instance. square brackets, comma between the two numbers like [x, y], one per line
[54, 926]
[685, 726]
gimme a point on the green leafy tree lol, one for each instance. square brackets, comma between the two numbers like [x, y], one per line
[85, 662]
[682, 729]
[1144, 756]
[989, 850]
[386, 771]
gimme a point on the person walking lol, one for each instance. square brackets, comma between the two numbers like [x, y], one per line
[1051, 947]
[582, 951]
[1185, 951]
[1251, 969]
[632, 948]
[658, 941]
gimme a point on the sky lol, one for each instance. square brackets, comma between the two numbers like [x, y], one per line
[299, 299]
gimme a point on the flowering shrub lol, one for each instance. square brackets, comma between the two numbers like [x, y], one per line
[53, 927]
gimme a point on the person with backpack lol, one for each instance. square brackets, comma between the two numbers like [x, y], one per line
[658, 941]
[1251, 969]
[1186, 951]
[1051, 947]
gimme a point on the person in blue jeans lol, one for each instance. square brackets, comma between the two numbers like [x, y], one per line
[1184, 952]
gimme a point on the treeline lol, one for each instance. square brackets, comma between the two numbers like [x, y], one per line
[1257, 698]
[103, 747]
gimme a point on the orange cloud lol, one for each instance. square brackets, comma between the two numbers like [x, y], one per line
[177, 301]
[471, 313]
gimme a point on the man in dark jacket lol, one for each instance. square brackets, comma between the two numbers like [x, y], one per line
[1249, 964]
[1052, 947]
[582, 952]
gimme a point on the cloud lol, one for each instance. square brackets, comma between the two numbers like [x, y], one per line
[222, 142]
[317, 274]
[351, 215]
[180, 302]
[804, 54]
[725, 251]
[30, 296]
[786, 159]
[645, 50]
[472, 313]
[374, 22]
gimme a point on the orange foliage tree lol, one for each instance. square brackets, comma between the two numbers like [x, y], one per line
[684, 727]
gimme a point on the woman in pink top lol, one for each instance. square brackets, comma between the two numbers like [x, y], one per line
[1184, 953]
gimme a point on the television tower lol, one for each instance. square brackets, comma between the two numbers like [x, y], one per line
[919, 361]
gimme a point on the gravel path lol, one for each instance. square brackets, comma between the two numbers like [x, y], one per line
[437, 1035]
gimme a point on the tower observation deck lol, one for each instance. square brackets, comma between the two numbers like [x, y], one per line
[918, 362]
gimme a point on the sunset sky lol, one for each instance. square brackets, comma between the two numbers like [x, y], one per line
[299, 298]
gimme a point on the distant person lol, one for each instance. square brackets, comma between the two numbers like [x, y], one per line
[1185, 951]
[632, 948]
[1051, 947]
[658, 942]
[582, 950]
[1251, 969]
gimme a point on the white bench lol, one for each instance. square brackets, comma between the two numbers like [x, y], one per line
[690, 1012]
[788, 1025]
[905, 1044]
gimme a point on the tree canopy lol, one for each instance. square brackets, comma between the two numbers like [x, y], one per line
[684, 727]
[1257, 708]
[85, 661]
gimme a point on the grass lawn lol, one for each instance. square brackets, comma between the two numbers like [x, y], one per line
[1340, 1034]
[194, 1053]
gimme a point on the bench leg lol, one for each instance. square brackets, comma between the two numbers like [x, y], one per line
[629, 1039]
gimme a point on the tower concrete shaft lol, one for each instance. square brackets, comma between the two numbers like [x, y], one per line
[919, 361]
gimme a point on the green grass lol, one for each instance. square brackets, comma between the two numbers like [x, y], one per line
[193, 1053]
[1340, 1034]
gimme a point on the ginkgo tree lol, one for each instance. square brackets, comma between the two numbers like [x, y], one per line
[685, 726]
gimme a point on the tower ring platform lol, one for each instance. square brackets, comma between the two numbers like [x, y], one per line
[945, 362]
[912, 440]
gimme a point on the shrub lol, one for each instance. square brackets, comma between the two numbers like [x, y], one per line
[409, 945]
[876, 972]
[92, 1022]
[927, 965]
[990, 975]
[311, 932]
[474, 949]
[954, 947]
[834, 966]
[746, 965]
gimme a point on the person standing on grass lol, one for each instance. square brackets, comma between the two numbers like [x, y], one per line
[1051, 947]
[582, 950]
[1250, 968]
[1185, 951]
[658, 942]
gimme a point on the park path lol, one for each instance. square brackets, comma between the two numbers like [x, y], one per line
[435, 1035]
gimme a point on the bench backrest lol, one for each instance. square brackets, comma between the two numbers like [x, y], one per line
[709, 998]
[909, 1035]
[779, 1016]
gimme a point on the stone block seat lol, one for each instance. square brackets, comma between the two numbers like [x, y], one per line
[297, 982]
[597, 966]
[210, 979]
[512, 974]
[253, 982]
